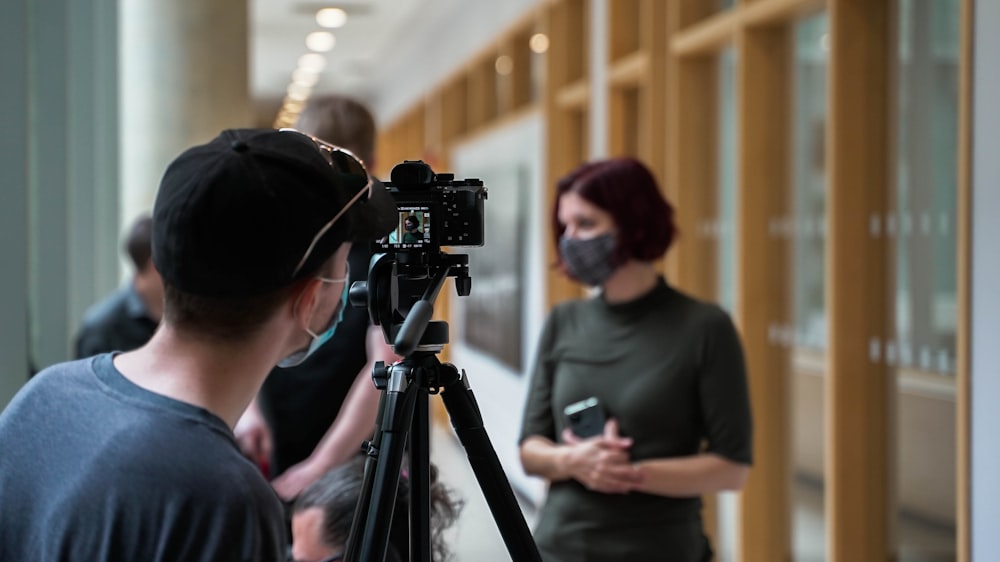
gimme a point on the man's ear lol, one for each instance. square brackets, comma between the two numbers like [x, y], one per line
[304, 301]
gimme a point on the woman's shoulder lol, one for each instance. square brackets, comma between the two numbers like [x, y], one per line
[572, 308]
[696, 309]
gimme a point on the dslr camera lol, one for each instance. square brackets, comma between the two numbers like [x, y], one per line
[435, 210]
[408, 267]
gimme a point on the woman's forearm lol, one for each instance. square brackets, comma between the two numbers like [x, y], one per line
[541, 457]
[691, 476]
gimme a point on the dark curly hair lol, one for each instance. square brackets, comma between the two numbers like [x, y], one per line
[337, 493]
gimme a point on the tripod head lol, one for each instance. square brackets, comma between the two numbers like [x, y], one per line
[400, 294]
[408, 268]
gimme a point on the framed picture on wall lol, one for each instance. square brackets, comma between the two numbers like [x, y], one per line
[492, 315]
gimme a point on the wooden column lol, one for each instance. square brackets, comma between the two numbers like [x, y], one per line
[857, 448]
[690, 169]
[566, 98]
[692, 126]
[656, 33]
[764, 286]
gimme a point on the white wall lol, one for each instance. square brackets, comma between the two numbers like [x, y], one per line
[449, 33]
[499, 390]
[14, 201]
[58, 156]
[985, 367]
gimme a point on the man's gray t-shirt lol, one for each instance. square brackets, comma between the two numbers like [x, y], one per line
[94, 467]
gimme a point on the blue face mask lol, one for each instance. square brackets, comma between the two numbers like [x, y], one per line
[319, 339]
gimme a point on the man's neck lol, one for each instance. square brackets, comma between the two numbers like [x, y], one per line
[222, 378]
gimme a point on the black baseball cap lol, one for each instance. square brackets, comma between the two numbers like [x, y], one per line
[253, 210]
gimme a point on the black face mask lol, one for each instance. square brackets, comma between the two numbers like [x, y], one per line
[590, 260]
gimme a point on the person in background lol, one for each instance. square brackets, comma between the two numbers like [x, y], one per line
[131, 456]
[127, 318]
[323, 513]
[667, 373]
[413, 233]
[312, 417]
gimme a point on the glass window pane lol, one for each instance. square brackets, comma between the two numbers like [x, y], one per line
[726, 219]
[727, 225]
[926, 175]
[922, 228]
[809, 309]
[809, 177]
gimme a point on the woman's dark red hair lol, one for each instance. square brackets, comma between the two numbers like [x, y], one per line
[624, 188]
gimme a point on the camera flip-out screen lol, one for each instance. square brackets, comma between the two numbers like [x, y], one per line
[413, 229]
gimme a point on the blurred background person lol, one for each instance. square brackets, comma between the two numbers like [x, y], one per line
[127, 318]
[312, 417]
[667, 371]
[323, 513]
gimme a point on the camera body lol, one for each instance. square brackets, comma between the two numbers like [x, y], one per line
[408, 266]
[435, 210]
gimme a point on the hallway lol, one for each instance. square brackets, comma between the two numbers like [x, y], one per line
[475, 536]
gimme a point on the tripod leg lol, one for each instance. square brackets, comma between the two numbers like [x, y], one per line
[468, 424]
[380, 376]
[399, 400]
[420, 495]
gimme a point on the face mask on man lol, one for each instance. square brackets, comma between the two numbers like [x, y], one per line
[589, 260]
[319, 339]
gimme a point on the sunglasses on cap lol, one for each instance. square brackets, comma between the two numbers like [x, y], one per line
[343, 161]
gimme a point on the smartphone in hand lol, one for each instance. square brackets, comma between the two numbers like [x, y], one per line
[585, 418]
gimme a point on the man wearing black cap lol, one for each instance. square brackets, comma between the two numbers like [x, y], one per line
[313, 417]
[131, 456]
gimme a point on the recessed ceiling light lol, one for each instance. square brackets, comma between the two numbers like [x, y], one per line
[539, 42]
[298, 91]
[305, 76]
[504, 65]
[312, 62]
[331, 17]
[320, 41]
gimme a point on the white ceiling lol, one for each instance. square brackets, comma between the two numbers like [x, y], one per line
[388, 54]
[278, 29]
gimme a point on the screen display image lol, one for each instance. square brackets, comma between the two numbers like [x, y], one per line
[413, 229]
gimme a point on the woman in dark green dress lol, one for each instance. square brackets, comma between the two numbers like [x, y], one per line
[666, 369]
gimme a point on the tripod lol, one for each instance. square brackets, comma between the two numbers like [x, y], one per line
[403, 413]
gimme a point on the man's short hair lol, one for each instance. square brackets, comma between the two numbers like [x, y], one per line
[137, 242]
[219, 318]
[342, 121]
